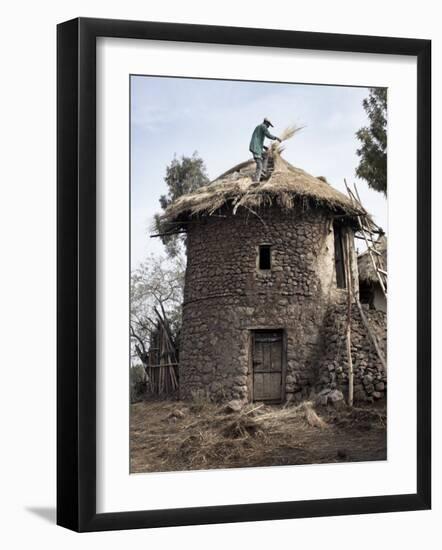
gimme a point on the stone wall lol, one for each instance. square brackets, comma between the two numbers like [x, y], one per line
[370, 378]
[227, 296]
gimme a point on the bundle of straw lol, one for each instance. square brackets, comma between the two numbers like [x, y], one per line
[286, 134]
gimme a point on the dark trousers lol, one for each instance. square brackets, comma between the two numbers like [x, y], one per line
[261, 166]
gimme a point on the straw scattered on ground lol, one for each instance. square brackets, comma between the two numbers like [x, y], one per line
[174, 436]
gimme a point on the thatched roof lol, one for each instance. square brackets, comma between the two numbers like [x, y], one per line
[367, 273]
[285, 187]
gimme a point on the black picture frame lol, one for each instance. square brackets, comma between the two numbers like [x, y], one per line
[76, 273]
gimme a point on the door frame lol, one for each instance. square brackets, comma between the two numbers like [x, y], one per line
[250, 377]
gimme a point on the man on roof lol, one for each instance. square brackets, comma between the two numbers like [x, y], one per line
[259, 150]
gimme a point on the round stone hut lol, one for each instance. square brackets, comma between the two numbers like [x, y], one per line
[265, 263]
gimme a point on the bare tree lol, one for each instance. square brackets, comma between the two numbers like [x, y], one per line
[156, 292]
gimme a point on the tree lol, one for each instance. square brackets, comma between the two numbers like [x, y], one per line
[183, 176]
[156, 292]
[373, 152]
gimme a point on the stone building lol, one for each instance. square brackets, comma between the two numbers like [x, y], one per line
[266, 266]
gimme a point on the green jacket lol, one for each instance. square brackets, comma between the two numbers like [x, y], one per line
[257, 141]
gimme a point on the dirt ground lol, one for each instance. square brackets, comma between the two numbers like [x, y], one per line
[176, 436]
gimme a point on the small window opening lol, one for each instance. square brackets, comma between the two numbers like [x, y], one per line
[265, 257]
[339, 257]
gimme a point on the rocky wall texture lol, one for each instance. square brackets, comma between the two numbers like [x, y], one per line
[227, 297]
[370, 378]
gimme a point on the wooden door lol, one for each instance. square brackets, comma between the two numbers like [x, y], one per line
[267, 366]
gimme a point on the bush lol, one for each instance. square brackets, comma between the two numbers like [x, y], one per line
[138, 383]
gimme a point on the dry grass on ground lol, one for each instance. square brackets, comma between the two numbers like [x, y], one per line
[175, 436]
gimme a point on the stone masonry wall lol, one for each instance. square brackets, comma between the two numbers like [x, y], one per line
[370, 378]
[227, 296]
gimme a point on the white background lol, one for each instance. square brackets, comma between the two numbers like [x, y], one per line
[27, 283]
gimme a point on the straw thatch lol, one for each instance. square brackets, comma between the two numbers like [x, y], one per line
[285, 187]
[285, 135]
[367, 273]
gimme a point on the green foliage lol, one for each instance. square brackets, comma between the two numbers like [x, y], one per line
[373, 151]
[183, 176]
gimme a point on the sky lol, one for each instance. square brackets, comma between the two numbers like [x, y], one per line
[216, 118]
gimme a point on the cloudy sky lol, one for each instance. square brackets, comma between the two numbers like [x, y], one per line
[216, 118]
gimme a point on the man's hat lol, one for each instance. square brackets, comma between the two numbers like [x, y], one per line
[268, 122]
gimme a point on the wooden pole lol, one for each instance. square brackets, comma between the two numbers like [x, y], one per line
[168, 234]
[348, 333]
[372, 336]
[363, 229]
[358, 303]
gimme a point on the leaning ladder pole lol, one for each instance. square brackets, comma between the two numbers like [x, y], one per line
[372, 336]
[370, 247]
[380, 273]
[370, 252]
